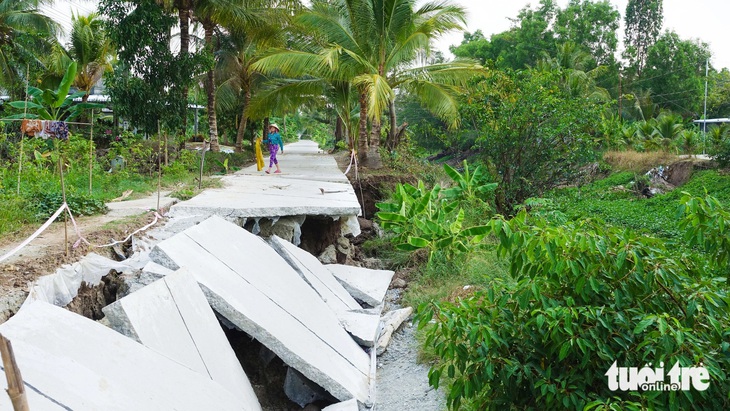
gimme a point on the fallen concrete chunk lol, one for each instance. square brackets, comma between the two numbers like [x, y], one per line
[156, 271]
[69, 362]
[343, 406]
[361, 326]
[392, 320]
[249, 284]
[172, 317]
[368, 286]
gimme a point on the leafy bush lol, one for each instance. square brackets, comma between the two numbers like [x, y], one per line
[80, 203]
[583, 296]
[434, 219]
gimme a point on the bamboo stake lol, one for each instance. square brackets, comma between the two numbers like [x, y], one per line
[16, 389]
[25, 113]
[63, 193]
[159, 166]
[91, 152]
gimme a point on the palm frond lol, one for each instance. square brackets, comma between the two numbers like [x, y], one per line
[378, 92]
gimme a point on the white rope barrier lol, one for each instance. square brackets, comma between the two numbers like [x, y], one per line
[36, 234]
[65, 207]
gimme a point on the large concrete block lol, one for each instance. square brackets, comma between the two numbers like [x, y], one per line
[69, 362]
[368, 286]
[250, 285]
[172, 317]
[362, 326]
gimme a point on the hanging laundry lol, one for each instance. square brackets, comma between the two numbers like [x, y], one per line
[259, 155]
[31, 127]
[59, 129]
[45, 130]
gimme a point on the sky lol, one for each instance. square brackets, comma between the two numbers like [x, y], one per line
[697, 19]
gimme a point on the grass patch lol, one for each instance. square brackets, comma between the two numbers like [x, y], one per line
[613, 201]
[637, 162]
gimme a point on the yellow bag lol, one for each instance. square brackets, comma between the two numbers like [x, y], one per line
[259, 155]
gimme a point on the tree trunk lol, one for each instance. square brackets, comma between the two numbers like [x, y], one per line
[373, 157]
[210, 90]
[242, 124]
[266, 128]
[184, 16]
[339, 130]
[391, 142]
[362, 138]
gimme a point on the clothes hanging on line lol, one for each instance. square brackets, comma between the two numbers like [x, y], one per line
[45, 129]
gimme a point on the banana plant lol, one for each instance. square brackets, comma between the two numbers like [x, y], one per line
[470, 185]
[422, 218]
[55, 104]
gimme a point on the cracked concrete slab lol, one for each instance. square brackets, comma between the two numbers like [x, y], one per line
[71, 362]
[367, 285]
[361, 325]
[310, 184]
[250, 285]
[184, 328]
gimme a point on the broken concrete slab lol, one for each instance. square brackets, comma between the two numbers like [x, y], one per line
[392, 320]
[316, 274]
[368, 286]
[155, 271]
[250, 285]
[71, 362]
[350, 405]
[362, 326]
[183, 328]
[261, 196]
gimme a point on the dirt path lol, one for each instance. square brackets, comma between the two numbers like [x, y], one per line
[46, 253]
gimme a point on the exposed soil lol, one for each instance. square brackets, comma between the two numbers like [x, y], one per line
[91, 299]
[47, 253]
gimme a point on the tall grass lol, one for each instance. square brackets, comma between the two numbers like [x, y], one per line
[637, 162]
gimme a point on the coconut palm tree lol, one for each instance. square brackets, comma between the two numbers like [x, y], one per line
[373, 44]
[230, 15]
[90, 48]
[25, 35]
[243, 47]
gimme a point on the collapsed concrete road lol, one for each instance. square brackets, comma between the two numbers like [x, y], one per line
[184, 328]
[69, 362]
[310, 185]
[205, 271]
[251, 286]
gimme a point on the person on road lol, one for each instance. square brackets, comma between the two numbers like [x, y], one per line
[274, 142]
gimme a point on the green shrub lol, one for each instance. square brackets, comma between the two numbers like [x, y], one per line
[586, 295]
[80, 203]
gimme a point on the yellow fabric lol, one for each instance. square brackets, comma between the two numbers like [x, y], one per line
[259, 155]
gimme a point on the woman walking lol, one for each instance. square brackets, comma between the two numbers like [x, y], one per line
[274, 141]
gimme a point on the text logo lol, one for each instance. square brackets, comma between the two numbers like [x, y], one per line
[653, 379]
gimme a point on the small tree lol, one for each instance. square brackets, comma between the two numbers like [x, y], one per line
[532, 131]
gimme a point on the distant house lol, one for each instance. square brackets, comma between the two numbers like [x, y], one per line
[711, 121]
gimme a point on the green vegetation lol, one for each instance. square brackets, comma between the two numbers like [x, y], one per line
[531, 306]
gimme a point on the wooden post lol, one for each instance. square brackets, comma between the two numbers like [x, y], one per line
[91, 152]
[63, 193]
[20, 160]
[25, 113]
[202, 163]
[159, 165]
[16, 389]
